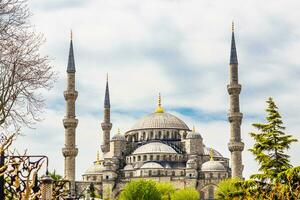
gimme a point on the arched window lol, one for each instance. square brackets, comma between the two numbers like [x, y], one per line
[144, 136]
[151, 157]
[157, 157]
[211, 192]
[151, 135]
[202, 195]
[211, 175]
[168, 134]
[133, 158]
[139, 158]
[144, 157]
[150, 173]
[159, 134]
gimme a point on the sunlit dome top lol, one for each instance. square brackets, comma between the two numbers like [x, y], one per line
[96, 168]
[212, 165]
[152, 165]
[159, 120]
[154, 147]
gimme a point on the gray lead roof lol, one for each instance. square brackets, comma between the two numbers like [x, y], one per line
[233, 54]
[106, 99]
[71, 61]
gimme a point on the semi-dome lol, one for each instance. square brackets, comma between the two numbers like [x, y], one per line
[154, 147]
[193, 135]
[152, 165]
[207, 152]
[128, 167]
[160, 120]
[212, 165]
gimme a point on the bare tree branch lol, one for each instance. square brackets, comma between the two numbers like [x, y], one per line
[23, 70]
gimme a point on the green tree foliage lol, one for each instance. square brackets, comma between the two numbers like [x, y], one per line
[227, 189]
[166, 190]
[186, 194]
[270, 145]
[277, 179]
[140, 190]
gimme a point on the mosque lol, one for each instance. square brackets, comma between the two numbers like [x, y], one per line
[159, 146]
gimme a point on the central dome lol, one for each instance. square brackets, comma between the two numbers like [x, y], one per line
[160, 120]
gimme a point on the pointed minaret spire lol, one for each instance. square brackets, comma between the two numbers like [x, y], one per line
[233, 54]
[71, 61]
[106, 125]
[106, 98]
[235, 145]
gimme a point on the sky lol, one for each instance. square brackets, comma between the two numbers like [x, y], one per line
[179, 48]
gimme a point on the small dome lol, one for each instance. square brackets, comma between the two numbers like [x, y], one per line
[97, 168]
[154, 147]
[193, 135]
[128, 167]
[212, 166]
[118, 137]
[160, 120]
[152, 165]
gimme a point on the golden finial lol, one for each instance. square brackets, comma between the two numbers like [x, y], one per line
[71, 34]
[232, 26]
[159, 109]
[194, 130]
[211, 153]
[98, 158]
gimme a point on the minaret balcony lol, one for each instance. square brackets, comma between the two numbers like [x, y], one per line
[234, 88]
[106, 126]
[70, 94]
[235, 116]
[235, 146]
[70, 122]
[69, 152]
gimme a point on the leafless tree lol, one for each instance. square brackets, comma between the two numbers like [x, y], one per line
[24, 72]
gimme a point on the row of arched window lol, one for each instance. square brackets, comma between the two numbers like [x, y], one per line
[152, 135]
[154, 157]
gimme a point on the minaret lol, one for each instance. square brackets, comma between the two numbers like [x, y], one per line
[70, 122]
[235, 145]
[106, 125]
